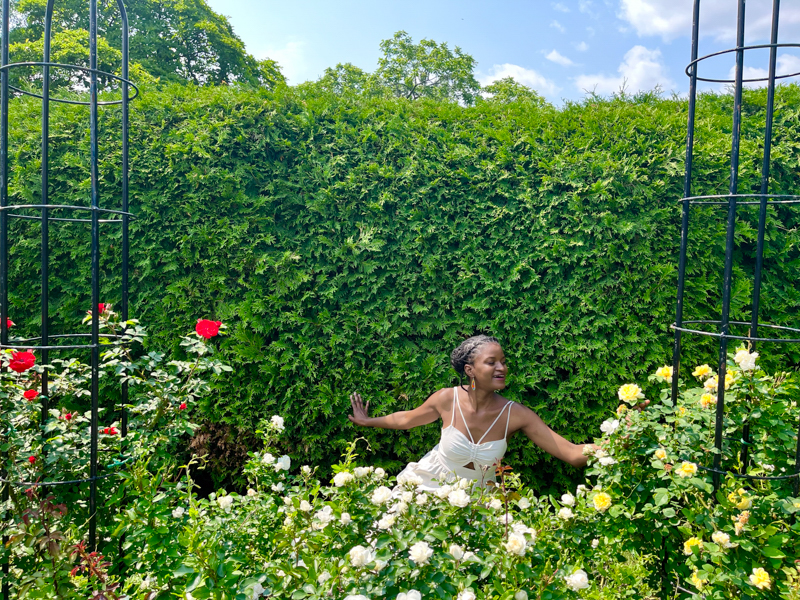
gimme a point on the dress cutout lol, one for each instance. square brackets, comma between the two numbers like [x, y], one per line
[455, 450]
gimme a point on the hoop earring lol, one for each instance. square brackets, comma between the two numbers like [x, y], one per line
[473, 384]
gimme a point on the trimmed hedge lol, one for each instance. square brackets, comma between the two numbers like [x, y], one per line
[350, 244]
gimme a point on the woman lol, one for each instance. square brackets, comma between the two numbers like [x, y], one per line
[477, 412]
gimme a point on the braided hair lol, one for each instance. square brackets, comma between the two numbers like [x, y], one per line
[468, 349]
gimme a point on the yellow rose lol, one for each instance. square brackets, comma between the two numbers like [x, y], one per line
[602, 501]
[732, 498]
[730, 378]
[682, 411]
[621, 410]
[687, 469]
[707, 400]
[630, 393]
[665, 372]
[702, 371]
[711, 383]
[661, 454]
[738, 528]
[696, 581]
[691, 543]
[760, 578]
[744, 503]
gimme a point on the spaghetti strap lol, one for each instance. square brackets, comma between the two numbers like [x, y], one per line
[455, 392]
[461, 412]
[494, 422]
[508, 418]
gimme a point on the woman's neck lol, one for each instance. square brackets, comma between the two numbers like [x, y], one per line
[480, 399]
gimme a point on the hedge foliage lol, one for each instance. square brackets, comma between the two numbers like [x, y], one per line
[351, 243]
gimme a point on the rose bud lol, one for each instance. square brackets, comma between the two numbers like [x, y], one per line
[182, 406]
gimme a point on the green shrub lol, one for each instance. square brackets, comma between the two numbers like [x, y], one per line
[352, 243]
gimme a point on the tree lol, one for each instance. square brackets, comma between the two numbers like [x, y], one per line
[427, 70]
[508, 90]
[349, 79]
[175, 40]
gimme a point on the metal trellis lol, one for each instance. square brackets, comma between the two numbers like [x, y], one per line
[721, 328]
[48, 342]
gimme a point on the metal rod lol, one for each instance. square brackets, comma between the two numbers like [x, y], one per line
[729, 242]
[687, 191]
[45, 244]
[95, 261]
[125, 219]
[4, 249]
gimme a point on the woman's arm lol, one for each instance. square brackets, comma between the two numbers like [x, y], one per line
[426, 413]
[548, 440]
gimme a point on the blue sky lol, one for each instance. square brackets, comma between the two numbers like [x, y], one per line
[562, 49]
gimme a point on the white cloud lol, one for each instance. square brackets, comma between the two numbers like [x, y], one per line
[673, 18]
[558, 58]
[582, 47]
[585, 6]
[557, 25]
[291, 59]
[527, 77]
[640, 70]
[786, 65]
[560, 7]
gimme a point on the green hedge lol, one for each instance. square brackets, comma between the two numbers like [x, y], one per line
[350, 244]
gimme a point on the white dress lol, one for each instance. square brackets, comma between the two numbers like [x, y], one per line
[454, 451]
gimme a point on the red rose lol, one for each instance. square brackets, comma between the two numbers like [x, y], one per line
[206, 328]
[31, 459]
[67, 416]
[9, 323]
[30, 395]
[105, 430]
[112, 431]
[22, 361]
[182, 406]
[101, 308]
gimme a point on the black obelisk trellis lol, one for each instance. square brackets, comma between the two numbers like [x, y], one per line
[732, 200]
[48, 342]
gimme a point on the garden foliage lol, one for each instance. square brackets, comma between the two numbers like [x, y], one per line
[351, 243]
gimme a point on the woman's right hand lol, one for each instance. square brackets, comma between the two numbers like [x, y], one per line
[360, 414]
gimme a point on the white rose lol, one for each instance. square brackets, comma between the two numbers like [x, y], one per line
[469, 555]
[565, 513]
[386, 522]
[345, 519]
[516, 544]
[496, 504]
[595, 543]
[323, 577]
[608, 427]
[581, 491]
[568, 500]
[325, 515]
[466, 595]
[267, 459]
[252, 493]
[579, 580]
[607, 461]
[422, 499]
[283, 463]
[456, 551]
[524, 503]
[356, 597]
[287, 522]
[258, 589]
[287, 501]
[400, 508]
[278, 487]
[381, 495]
[443, 492]
[380, 473]
[409, 478]
[458, 498]
[420, 553]
[277, 422]
[361, 472]
[178, 512]
[746, 360]
[464, 483]
[521, 595]
[305, 470]
[225, 503]
[343, 478]
[305, 506]
[407, 497]
[522, 529]
[409, 595]
[360, 556]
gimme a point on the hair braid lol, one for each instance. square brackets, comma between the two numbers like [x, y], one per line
[468, 349]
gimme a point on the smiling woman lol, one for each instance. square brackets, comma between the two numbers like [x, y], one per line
[477, 411]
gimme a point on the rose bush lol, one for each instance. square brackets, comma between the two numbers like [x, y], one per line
[645, 524]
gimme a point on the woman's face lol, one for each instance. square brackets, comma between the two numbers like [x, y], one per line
[488, 368]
